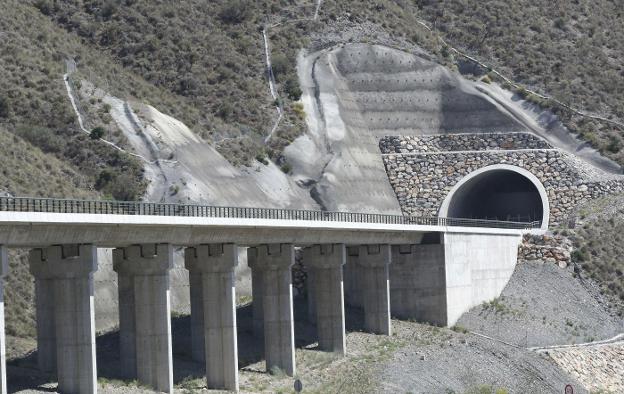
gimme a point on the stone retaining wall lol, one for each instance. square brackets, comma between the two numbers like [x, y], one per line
[462, 142]
[545, 248]
[421, 181]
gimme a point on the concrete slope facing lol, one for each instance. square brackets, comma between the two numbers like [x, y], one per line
[357, 93]
[181, 167]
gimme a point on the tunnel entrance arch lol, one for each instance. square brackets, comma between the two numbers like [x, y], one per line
[498, 192]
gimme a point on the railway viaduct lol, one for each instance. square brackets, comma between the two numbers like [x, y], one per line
[432, 269]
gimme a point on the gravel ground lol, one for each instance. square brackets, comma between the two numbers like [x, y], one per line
[467, 363]
[416, 358]
[545, 305]
[452, 361]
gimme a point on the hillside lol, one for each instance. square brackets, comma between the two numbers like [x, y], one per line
[180, 92]
[203, 63]
[597, 231]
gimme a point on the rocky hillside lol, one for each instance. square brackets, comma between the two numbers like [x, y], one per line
[597, 231]
[186, 87]
[204, 63]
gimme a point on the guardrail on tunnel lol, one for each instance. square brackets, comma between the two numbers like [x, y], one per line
[106, 207]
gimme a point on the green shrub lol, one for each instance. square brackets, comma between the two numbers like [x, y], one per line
[460, 329]
[286, 168]
[292, 89]
[615, 144]
[120, 185]
[97, 133]
[4, 107]
[225, 111]
[108, 9]
[44, 6]
[261, 157]
[281, 65]
[580, 255]
[235, 12]
[299, 110]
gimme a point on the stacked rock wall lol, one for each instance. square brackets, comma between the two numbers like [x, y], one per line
[546, 248]
[462, 142]
[422, 175]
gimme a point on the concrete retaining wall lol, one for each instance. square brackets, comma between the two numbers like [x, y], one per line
[438, 283]
[478, 267]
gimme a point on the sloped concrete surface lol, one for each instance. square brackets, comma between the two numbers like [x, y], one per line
[357, 93]
[354, 94]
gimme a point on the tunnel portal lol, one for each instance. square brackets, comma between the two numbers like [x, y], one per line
[497, 194]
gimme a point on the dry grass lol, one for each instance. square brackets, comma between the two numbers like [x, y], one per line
[598, 237]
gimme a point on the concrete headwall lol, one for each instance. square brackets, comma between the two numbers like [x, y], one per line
[478, 268]
[437, 283]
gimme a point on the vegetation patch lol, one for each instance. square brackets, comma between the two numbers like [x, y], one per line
[598, 237]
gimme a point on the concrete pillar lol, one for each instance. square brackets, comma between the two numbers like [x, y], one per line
[257, 283]
[274, 262]
[127, 328]
[145, 313]
[214, 265]
[311, 298]
[198, 351]
[351, 278]
[46, 330]
[64, 274]
[373, 261]
[417, 283]
[4, 270]
[326, 262]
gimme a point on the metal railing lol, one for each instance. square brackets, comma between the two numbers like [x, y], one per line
[104, 207]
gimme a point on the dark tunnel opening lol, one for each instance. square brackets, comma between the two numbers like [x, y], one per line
[498, 195]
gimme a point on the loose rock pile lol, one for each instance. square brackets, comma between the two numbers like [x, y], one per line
[598, 368]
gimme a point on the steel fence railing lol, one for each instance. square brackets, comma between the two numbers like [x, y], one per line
[104, 207]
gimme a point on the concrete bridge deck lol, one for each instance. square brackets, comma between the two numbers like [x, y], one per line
[440, 268]
[29, 222]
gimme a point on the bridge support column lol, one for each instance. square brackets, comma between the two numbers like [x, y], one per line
[257, 284]
[311, 297]
[46, 327]
[145, 313]
[198, 344]
[373, 261]
[4, 270]
[352, 280]
[214, 266]
[274, 262]
[326, 261]
[417, 283]
[64, 275]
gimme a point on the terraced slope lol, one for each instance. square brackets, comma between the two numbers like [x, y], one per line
[354, 94]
